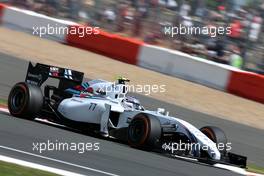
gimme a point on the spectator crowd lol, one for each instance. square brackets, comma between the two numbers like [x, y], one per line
[146, 19]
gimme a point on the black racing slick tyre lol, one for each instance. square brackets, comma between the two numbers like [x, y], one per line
[217, 136]
[144, 131]
[25, 100]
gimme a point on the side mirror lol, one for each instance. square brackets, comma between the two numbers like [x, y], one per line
[161, 111]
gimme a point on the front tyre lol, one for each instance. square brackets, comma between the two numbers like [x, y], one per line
[25, 100]
[144, 131]
[217, 136]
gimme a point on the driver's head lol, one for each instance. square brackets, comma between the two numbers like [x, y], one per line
[122, 80]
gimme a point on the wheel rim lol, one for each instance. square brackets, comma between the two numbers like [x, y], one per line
[138, 132]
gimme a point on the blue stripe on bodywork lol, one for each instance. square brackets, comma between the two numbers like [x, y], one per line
[73, 91]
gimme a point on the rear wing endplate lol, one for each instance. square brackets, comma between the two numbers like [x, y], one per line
[39, 73]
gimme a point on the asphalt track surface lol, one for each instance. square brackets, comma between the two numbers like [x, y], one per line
[113, 158]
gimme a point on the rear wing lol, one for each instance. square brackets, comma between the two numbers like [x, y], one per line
[39, 73]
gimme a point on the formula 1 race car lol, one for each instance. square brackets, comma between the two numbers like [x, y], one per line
[105, 108]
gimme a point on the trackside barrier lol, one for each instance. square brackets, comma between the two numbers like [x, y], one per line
[247, 85]
[28, 21]
[111, 45]
[2, 7]
[174, 63]
[184, 66]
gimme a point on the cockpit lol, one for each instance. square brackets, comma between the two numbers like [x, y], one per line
[132, 103]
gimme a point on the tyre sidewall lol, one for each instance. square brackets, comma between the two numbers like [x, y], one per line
[152, 132]
[139, 120]
[32, 104]
[217, 135]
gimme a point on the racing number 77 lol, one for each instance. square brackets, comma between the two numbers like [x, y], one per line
[92, 106]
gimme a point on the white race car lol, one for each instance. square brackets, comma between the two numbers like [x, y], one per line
[105, 108]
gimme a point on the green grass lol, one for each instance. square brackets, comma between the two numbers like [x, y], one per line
[256, 169]
[7, 169]
[3, 102]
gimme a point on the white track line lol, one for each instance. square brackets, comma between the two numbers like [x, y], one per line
[253, 174]
[226, 167]
[4, 110]
[48, 122]
[59, 161]
[38, 166]
[237, 170]
[36, 119]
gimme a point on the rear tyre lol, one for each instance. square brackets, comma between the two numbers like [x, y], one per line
[217, 136]
[144, 131]
[25, 100]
